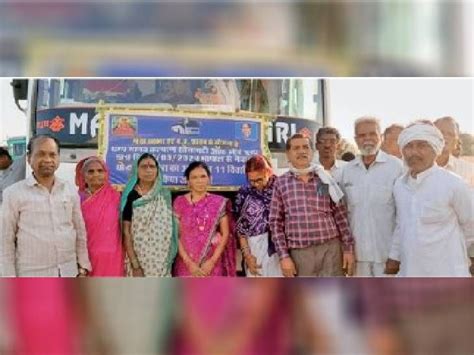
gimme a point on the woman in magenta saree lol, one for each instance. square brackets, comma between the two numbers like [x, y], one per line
[206, 245]
[100, 205]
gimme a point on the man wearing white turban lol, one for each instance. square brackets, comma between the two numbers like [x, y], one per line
[435, 219]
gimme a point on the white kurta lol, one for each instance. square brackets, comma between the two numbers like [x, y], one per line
[465, 170]
[370, 203]
[435, 223]
[337, 168]
[462, 168]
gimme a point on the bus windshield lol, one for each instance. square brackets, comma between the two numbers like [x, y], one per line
[286, 97]
[66, 108]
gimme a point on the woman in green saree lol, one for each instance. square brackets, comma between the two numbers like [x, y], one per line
[148, 226]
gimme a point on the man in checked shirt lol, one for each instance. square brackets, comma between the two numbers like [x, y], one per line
[310, 230]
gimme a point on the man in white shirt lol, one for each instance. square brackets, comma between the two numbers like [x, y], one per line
[435, 216]
[368, 182]
[43, 232]
[450, 130]
[327, 140]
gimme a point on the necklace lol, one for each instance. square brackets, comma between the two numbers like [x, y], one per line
[201, 215]
[193, 202]
[142, 191]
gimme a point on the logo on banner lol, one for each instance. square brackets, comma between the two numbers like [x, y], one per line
[55, 125]
[187, 127]
[246, 131]
[124, 126]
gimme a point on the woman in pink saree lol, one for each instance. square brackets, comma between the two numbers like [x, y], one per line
[206, 246]
[100, 205]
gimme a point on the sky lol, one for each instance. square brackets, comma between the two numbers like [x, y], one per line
[391, 100]
[12, 120]
[400, 101]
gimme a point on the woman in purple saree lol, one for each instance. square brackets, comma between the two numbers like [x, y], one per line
[206, 246]
[100, 205]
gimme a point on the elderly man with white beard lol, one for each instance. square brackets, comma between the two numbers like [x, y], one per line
[435, 220]
[368, 182]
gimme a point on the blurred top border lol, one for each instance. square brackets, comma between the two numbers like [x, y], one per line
[229, 39]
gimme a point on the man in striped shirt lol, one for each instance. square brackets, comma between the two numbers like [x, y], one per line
[310, 231]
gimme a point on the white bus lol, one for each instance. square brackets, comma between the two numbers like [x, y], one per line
[67, 108]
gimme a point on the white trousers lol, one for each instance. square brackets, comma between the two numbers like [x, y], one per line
[270, 264]
[368, 268]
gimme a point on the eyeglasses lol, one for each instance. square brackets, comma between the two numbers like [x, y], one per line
[256, 181]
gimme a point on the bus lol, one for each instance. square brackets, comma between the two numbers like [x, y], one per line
[68, 108]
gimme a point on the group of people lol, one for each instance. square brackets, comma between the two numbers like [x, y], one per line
[403, 206]
[412, 216]
[51, 229]
[375, 215]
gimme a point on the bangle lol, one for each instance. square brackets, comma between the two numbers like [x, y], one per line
[245, 251]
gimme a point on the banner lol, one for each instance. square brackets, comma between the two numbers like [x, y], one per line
[224, 143]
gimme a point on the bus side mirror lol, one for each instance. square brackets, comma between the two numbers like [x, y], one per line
[20, 91]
